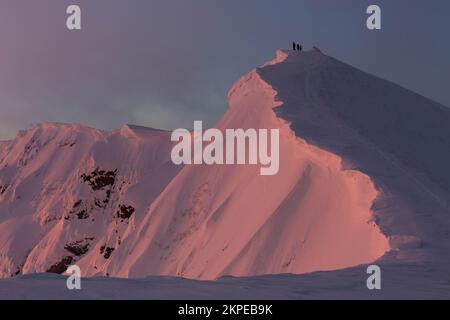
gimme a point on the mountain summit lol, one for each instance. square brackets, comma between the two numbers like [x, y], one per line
[361, 179]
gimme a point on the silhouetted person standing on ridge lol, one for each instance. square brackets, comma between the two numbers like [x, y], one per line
[293, 46]
[299, 47]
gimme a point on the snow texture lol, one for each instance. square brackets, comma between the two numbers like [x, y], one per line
[363, 179]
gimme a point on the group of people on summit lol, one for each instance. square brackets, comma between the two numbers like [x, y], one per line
[296, 46]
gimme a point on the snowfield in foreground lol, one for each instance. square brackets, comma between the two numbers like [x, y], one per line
[400, 281]
[363, 179]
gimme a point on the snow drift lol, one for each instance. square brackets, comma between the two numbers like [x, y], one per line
[350, 187]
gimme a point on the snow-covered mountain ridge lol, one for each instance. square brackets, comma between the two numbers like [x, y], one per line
[351, 186]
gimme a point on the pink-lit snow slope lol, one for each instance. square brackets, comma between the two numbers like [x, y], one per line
[217, 220]
[363, 178]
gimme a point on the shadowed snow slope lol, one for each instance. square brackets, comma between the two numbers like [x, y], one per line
[357, 178]
[398, 138]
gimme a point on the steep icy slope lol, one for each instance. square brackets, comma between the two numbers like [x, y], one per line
[215, 220]
[397, 137]
[356, 155]
[67, 191]
[113, 203]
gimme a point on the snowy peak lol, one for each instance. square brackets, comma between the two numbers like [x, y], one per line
[365, 104]
[347, 192]
[290, 63]
[392, 134]
[58, 129]
[142, 133]
[302, 59]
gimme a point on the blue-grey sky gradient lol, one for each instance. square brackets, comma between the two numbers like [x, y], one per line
[166, 63]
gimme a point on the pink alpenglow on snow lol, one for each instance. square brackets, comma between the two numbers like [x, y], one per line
[114, 203]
